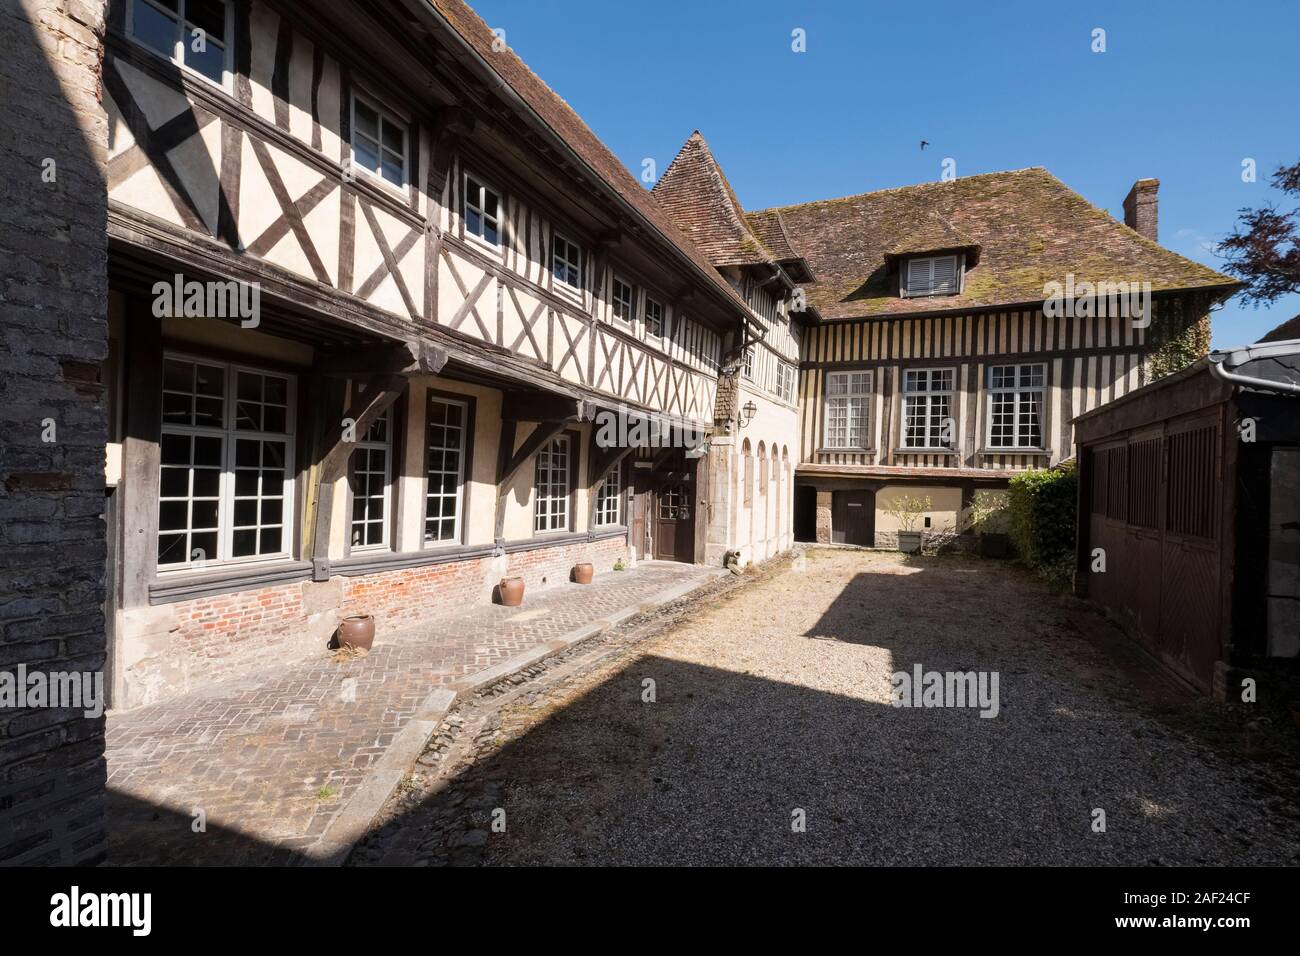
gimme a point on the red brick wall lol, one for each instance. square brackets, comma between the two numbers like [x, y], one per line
[223, 635]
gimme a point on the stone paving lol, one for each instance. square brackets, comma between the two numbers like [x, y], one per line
[255, 769]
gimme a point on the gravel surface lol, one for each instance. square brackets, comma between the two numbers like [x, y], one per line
[772, 706]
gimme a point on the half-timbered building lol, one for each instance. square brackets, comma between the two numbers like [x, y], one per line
[388, 323]
[960, 327]
[753, 462]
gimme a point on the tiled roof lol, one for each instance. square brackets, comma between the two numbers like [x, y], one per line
[569, 127]
[1031, 229]
[696, 194]
[1290, 329]
[770, 230]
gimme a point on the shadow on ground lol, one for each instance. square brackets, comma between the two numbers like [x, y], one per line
[734, 753]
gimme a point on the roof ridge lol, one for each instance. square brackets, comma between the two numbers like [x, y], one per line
[896, 189]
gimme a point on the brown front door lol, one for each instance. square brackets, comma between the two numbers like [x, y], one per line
[674, 522]
[853, 518]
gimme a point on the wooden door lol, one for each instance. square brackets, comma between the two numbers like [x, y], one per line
[853, 518]
[674, 522]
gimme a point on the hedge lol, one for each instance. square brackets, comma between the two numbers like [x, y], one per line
[1042, 517]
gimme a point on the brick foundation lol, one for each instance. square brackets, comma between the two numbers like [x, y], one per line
[178, 647]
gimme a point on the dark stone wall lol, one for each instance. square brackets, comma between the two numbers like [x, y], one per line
[53, 420]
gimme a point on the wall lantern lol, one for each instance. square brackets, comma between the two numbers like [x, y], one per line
[747, 412]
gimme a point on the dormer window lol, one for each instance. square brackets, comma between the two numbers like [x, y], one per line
[931, 275]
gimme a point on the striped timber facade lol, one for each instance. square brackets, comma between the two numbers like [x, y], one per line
[1089, 361]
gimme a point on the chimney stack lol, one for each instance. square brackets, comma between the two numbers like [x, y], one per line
[1140, 208]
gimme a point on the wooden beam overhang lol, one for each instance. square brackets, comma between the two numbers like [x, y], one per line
[417, 357]
[370, 403]
[539, 406]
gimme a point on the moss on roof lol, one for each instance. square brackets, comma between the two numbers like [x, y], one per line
[1031, 229]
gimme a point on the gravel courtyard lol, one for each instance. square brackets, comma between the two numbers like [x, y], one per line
[771, 707]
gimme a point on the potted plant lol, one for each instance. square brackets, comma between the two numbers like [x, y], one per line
[907, 510]
[357, 632]
[987, 517]
[511, 591]
[582, 572]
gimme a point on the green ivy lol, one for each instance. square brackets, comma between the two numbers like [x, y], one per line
[1179, 335]
[1041, 520]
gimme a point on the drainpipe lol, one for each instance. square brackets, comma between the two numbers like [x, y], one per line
[1222, 363]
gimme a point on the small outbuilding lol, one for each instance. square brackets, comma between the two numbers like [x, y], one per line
[1189, 513]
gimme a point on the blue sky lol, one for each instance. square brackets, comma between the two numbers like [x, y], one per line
[1184, 92]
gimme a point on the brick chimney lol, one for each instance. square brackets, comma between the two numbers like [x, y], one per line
[1140, 207]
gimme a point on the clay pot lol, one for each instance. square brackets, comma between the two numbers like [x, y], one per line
[582, 573]
[511, 591]
[357, 631]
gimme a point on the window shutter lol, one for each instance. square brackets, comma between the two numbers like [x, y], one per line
[918, 275]
[945, 274]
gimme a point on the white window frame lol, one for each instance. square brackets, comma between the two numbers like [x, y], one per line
[386, 446]
[544, 461]
[928, 397]
[785, 375]
[458, 529]
[614, 301]
[183, 38]
[866, 397]
[556, 239]
[466, 205]
[958, 276]
[1021, 402]
[656, 337]
[386, 114]
[612, 482]
[747, 364]
[230, 436]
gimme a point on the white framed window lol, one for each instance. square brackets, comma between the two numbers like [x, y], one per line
[623, 301]
[226, 450]
[482, 211]
[370, 478]
[747, 364]
[566, 261]
[847, 413]
[444, 467]
[378, 142]
[784, 381]
[654, 318]
[927, 408]
[191, 33]
[551, 487]
[609, 499]
[932, 275]
[1016, 406]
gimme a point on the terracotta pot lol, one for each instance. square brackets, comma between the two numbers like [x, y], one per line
[357, 631]
[582, 573]
[511, 591]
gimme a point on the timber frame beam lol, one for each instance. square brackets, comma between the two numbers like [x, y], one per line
[509, 461]
[404, 358]
[370, 402]
[539, 406]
